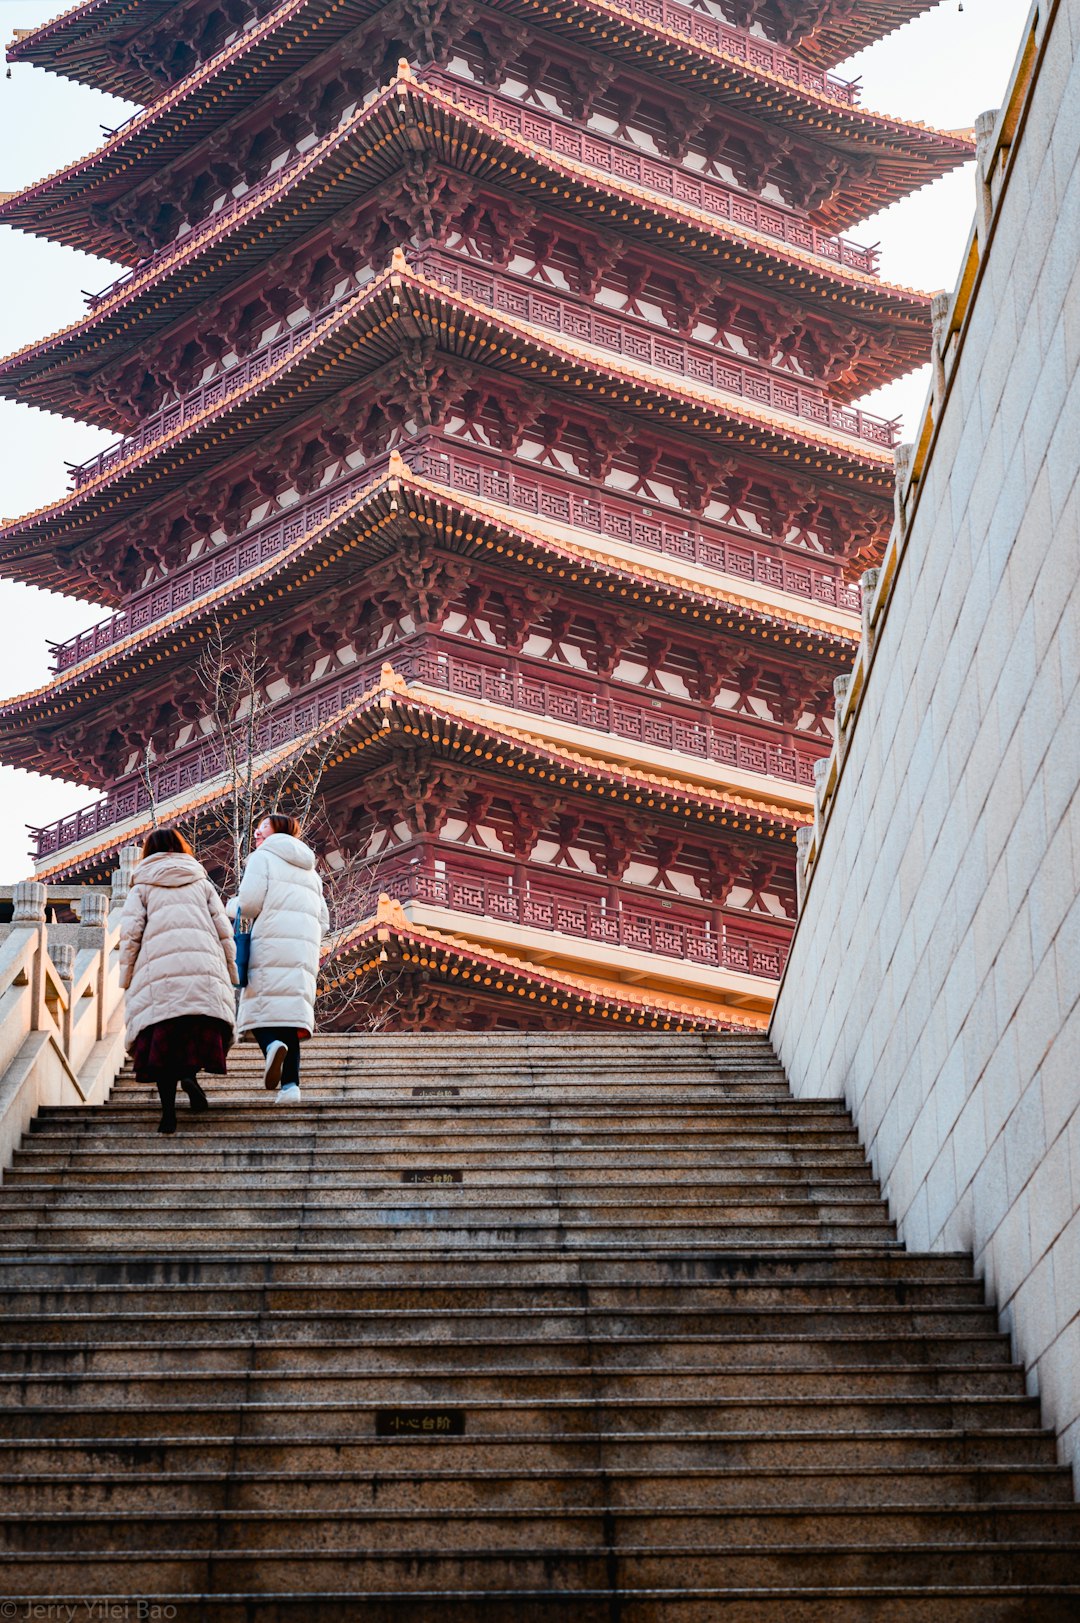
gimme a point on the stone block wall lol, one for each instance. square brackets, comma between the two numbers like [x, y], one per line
[934, 979]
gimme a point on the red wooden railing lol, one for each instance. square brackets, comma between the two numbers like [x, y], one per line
[235, 50]
[715, 938]
[492, 478]
[628, 164]
[197, 402]
[757, 53]
[618, 709]
[450, 665]
[638, 342]
[588, 506]
[622, 160]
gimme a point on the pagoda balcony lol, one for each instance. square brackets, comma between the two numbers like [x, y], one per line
[609, 914]
[529, 686]
[688, 363]
[756, 53]
[636, 340]
[197, 402]
[650, 523]
[623, 709]
[191, 106]
[168, 101]
[630, 166]
[622, 160]
[490, 477]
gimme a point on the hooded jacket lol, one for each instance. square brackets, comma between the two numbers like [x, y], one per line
[176, 946]
[281, 898]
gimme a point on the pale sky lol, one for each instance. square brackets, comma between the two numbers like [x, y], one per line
[942, 70]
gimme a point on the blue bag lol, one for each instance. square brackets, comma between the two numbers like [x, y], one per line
[242, 938]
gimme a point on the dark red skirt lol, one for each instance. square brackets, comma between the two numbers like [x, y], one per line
[174, 1049]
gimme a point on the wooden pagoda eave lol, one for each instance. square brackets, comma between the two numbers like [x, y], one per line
[176, 123]
[393, 506]
[369, 151]
[471, 963]
[906, 155]
[368, 331]
[826, 34]
[898, 157]
[392, 717]
[75, 45]
[411, 110]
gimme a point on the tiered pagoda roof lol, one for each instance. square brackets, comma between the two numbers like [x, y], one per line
[490, 370]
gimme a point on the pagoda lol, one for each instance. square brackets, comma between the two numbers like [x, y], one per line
[491, 363]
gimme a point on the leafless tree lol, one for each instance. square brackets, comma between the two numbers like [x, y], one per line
[365, 1002]
[147, 762]
[232, 679]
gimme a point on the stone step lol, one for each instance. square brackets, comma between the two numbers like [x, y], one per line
[793, 1487]
[170, 1157]
[395, 1227]
[286, 1416]
[529, 1183]
[300, 1125]
[927, 1603]
[985, 1548]
[307, 1458]
[738, 1307]
[484, 1490]
[552, 1384]
[441, 1202]
[663, 1350]
[488, 1325]
[1046, 1531]
[666, 1271]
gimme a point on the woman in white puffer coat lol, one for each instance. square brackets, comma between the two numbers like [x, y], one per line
[281, 897]
[178, 966]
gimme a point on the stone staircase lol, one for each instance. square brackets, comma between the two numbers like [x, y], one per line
[505, 1327]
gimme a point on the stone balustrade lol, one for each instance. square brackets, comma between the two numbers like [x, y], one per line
[61, 1007]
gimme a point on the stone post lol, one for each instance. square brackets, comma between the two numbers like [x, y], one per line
[28, 902]
[821, 772]
[841, 688]
[28, 912]
[93, 927]
[985, 125]
[803, 836]
[121, 879]
[940, 305]
[94, 909]
[63, 961]
[903, 456]
[868, 582]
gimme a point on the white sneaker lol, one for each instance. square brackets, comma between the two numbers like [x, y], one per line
[273, 1066]
[288, 1095]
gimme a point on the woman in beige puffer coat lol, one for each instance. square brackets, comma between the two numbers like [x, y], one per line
[281, 897]
[178, 966]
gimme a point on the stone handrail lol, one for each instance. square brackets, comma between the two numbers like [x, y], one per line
[61, 1007]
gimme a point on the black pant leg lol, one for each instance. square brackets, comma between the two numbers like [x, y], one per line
[265, 1035]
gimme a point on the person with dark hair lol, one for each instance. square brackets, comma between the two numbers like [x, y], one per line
[281, 897]
[178, 967]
